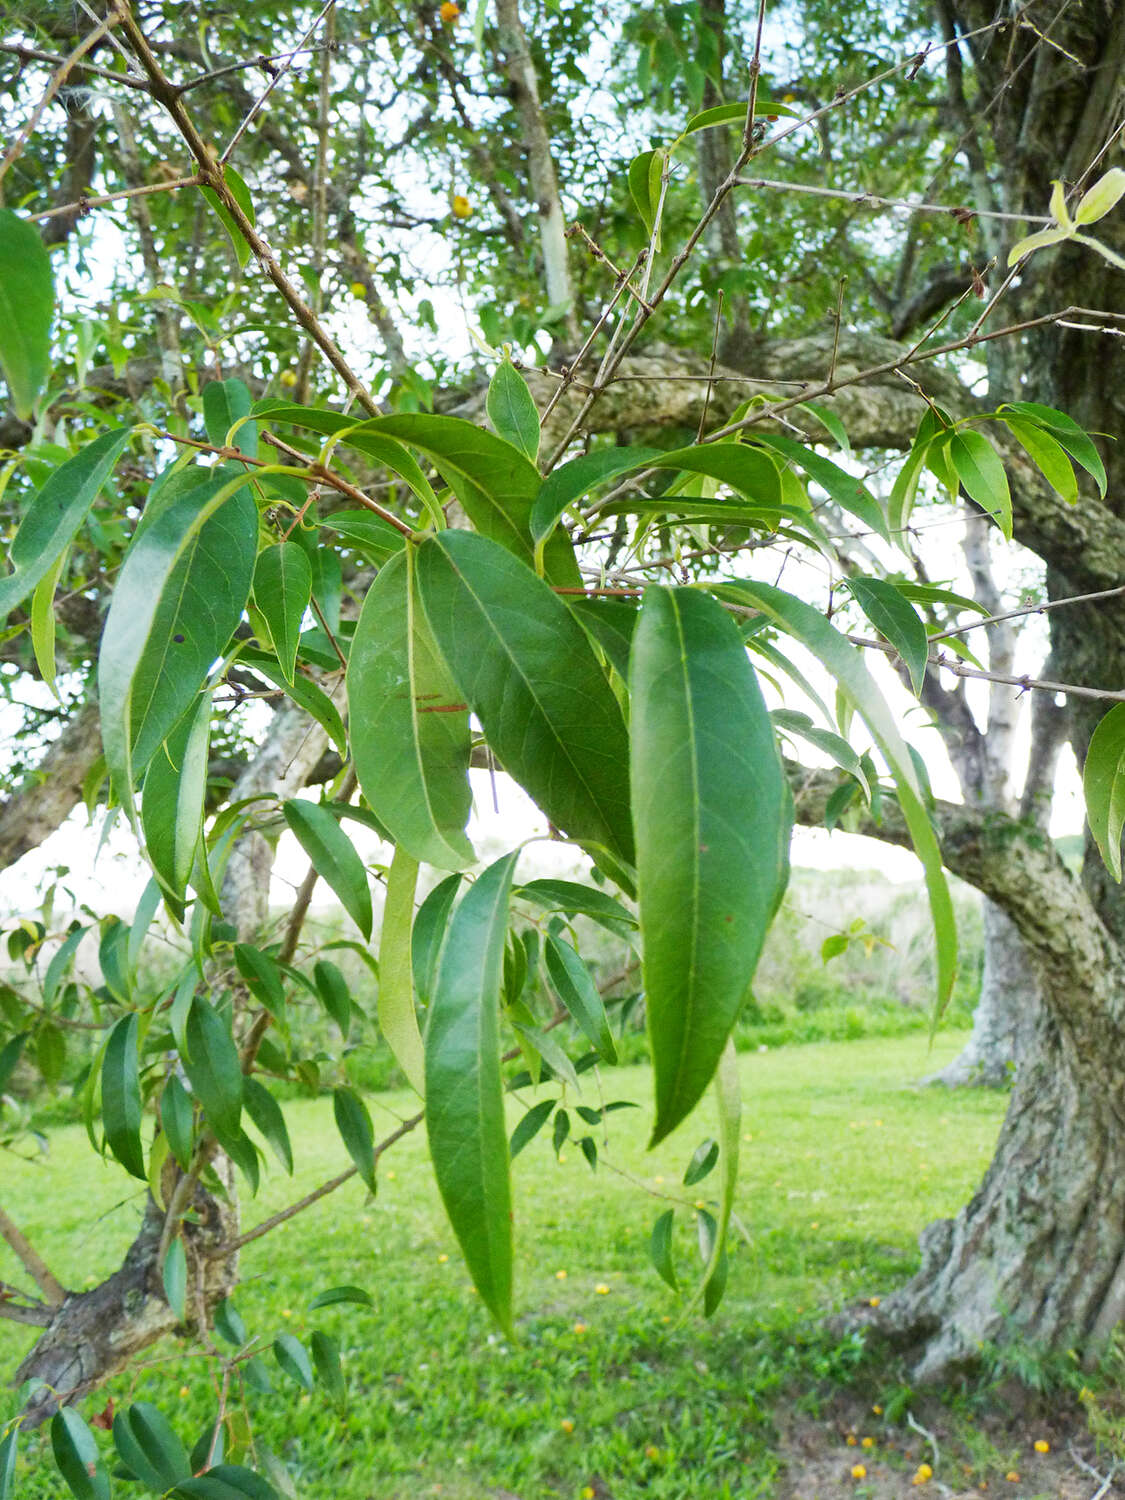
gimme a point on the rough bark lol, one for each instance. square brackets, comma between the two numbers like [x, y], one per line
[54, 788]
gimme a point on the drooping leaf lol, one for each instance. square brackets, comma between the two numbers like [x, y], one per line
[332, 988]
[174, 1275]
[735, 114]
[982, 474]
[326, 1360]
[213, 1066]
[512, 411]
[430, 928]
[27, 306]
[528, 672]
[573, 984]
[356, 1132]
[282, 589]
[121, 1096]
[824, 739]
[9, 1448]
[1068, 434]
[263, 978]
[1103, 783]
[894, 617]
[226, 402]
[241, 195]
[713, 821]
[179, 596]
[176, 1120]
[148, 1446]
[306, 694]
[333, 857]
[409, 725]
[55, 513]
[76, 1454]
[1048, 455]
[374, 537]
[42, 619]
[266, 1114]
[660, 1248]
[572, 480]
[464, 1090]
[174, 796]
[702, 1163]
[849, 493]
[610, 623]
[578, 900]
[397, 1019]
[293, 1359]
[646, 173]
[530, 1126]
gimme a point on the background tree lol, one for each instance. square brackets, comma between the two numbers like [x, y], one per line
[407, 163]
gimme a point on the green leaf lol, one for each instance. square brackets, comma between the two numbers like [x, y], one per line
[121, 1096]
[1048, 455]
[176, 1120]
[1103, 783]
[430, 929]
[173, 798]
[305, 694]
[729, 1100]
[896, 619]
[293, 1360]
[849, 493]
[225, 403]
[76, 1454]
[229, 1325]
[397, 1019]
[61, 960]
[8, 1453]
[702, 1163]
[572, 480]
[263, 978]
[530, 1126]
[376, 538]
[227, 1481]
[241, 195]
[982, 474]
[55, 513]
[572, 983]
[333, 857]
[326, 1359]
[860, 692]
[737, 465]
[332, 988]
[1067, 433]
[610, 624]
[512, 411]
[409, 726]
[42, 618]
[174, 1274]
[266, 1114]
[27, 306]
[149, 1447]
[282, 589]
[213, 1067]
[10, 1055]
[713, 821]
[464, 1090]
[356, 1132]
[925, 593]
[179, 596]
[660, 1248]
[646, 174]
[578, 900]
[734, 114]
[824, 739]
[529, 673]
[336, 1294]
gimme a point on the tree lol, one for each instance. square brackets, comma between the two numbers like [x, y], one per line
[376, 555]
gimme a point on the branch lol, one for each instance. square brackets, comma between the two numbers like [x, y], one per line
[32, 1262]
[49, 793]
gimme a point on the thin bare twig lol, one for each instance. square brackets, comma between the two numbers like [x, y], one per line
[84, 204]
[33, 1263]
[286, 64]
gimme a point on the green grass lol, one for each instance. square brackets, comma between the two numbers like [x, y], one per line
[844, 1160]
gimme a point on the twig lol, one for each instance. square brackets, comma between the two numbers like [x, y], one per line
[1025, 684]
[32, 1262]
[873, 200]
[260, 61]
[286, 64]
[1105, 1481]
[923, 1432]
[1028, 609]
[84, 204]
[711, 369]
[33, 54]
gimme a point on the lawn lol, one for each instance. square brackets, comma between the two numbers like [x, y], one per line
[605, 1390]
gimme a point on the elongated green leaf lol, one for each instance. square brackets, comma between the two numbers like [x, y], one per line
[573, 984]
[645, 176]
[27, 306]
[336, 1294]
[660, 1248]
[307, 695]
[356, 1132]
[729, 1101]
[824, 739]
[894, 617]
[702, 1163]
[860, 691]
[282, 589]
[61, 960]
[982, 474]
[738, 465]
[229, 1481]
[179, 596]
[8, 1453]
[430, 928]
[568, 483]
[42, 617]
[10, 1054]
[332, 988]
[578, 900]
[174, 797]
[397, 1019]
[326, 1360]
[263, 977]
[530, 1126]
[409, 725]
[850, 493]
[1103, 783]
[213, 1066]
[121, 1096]
[735, 114]
[174, 1274]
[293, 1360]
[176, 1120]
[1048, 455]
[713, 823]
[530, 675]
[511, 409]
[266, 1114]
[54, 515]
[148, 1446]
[610, 628]
[241, 195]
[464, 1090]
[77, 1456]
[333, 857]
[376, 538]
[926, 593]
[226, 402]
[1066, 432]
